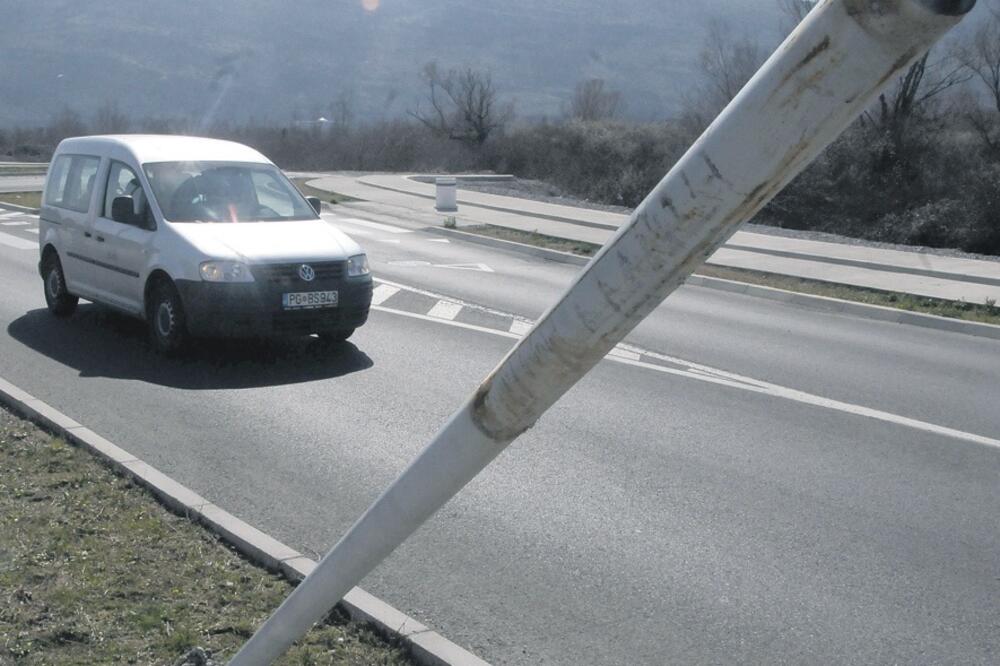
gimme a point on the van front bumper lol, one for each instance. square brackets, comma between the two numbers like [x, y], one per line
[215, 309]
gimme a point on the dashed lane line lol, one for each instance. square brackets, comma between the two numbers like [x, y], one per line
[445, 310]
[382, 293]
[634, 356]
[17, 223]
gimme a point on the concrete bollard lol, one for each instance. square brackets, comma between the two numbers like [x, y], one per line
[447, 195]
[823, 76]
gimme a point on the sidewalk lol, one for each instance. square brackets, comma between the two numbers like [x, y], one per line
[917, 273]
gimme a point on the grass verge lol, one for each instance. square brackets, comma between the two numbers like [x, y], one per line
[988, 313]
[332, 197]
[94, 571]
[29, 199]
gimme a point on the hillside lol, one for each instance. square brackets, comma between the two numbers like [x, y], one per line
[234, 59]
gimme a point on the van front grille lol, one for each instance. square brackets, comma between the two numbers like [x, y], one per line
[286, 274]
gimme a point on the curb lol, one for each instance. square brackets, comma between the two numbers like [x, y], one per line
[824, 303]
[20, 209]
[427, 647]
[499, 209]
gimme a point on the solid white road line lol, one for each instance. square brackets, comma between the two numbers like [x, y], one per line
[31, 231]
[519, 327]
[372, 225]
[17, 243]
[15, 224]
[704, 373]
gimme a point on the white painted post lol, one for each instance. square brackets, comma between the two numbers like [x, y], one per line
[803, 97]
[446, 194]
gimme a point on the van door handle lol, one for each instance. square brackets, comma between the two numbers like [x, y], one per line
[100, 239]
[86, 234]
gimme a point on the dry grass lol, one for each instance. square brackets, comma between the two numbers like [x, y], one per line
[94, 571]
[28, 199]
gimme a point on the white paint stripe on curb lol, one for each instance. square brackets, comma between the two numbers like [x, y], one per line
[426, 646]
[861, 310]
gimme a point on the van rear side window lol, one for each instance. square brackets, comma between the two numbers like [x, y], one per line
[71, 182]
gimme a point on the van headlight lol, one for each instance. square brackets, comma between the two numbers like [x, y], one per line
[358, 265]
[225, 271]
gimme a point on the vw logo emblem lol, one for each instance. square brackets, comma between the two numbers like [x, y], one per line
[307, 273]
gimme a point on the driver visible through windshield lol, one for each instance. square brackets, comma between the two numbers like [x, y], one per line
[225, 192]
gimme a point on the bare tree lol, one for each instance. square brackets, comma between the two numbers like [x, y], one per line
[725, 64]
[982, 58]
[109, 119]
[593, 101]
[923, 81]
[464, 105]
[794, 11]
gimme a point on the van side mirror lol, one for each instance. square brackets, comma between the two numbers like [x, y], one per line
[122, 210]
[316, 204]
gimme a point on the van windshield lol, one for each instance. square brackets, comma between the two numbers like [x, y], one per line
[225, 192]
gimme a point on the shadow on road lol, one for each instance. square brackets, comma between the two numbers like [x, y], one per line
[101, 343]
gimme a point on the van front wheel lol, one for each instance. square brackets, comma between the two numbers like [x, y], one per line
[59, 301]
[165, 314]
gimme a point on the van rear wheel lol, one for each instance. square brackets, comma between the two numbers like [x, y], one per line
[59, 301]
[165, 315]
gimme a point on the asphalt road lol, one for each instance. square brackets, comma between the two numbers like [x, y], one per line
[662, 512]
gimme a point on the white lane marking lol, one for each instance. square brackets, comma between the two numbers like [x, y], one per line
[624, 353]
[17, 243]
[445, 310]
[520, 327]
[371, 225]
[13, 214]
[438, 240]
[15, 224]
[382, 293]
[482, 268]
[388, 240]
[31, 231]
[408, 263]
[704, 373]
[431, 294]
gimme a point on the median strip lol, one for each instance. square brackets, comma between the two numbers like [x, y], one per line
[95, 571]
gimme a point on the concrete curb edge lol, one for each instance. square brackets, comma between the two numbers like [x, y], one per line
[427, 647]
[824, 303]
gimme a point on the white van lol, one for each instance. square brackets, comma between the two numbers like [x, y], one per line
[199, 237]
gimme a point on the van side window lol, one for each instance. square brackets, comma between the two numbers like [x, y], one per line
[71, 182]
[122, 182]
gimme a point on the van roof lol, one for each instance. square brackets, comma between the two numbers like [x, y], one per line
[147, 148]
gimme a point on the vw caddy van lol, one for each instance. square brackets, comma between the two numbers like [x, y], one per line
[198, 237]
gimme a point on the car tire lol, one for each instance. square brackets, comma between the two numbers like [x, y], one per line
[165, 315]
[59, 301]
[336, 337]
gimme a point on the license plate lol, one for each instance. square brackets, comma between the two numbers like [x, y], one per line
[309, 299]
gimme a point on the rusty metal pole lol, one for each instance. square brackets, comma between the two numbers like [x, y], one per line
[816, 83]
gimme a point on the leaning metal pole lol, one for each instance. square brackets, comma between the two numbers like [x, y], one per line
[817, 82]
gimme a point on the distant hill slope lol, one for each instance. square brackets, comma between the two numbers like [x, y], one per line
[235, 59]
[265, 59]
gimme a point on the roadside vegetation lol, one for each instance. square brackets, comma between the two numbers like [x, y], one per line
[921, 166]
[988, 313]
[26, 199]
[94, 571]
